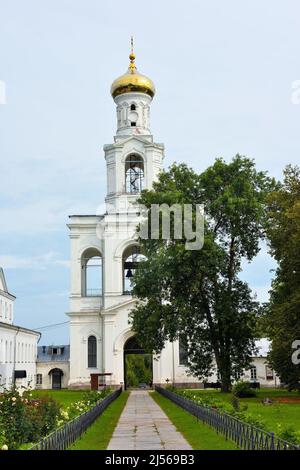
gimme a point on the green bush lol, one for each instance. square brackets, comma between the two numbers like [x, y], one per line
[243, 390]
[24, 420]
[235, 402]
[288, 434]
[93, 396]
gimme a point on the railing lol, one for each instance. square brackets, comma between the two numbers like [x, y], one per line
[246, 436]
[66, 435]
[93, 293]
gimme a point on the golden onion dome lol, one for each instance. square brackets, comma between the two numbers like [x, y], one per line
[132, 81]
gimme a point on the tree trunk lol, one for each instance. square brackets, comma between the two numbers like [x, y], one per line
[225, 373]
[225, 385]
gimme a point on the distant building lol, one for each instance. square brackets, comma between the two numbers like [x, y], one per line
[18, 345]
[53, 367]
[260, 371]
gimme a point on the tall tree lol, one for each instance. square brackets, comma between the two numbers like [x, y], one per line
[283, 313]
[196, 294]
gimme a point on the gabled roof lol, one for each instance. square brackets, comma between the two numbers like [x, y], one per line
[3, 285]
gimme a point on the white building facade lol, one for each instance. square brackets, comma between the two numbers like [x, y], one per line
[53, 367]
[104, 251]
[18, 345]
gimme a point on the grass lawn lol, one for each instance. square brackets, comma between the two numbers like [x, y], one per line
[287, 414]
[199, 435]
[63, 397]
[98, 435]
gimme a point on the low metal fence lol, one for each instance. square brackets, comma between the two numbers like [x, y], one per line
[66, 435]
[246, 436]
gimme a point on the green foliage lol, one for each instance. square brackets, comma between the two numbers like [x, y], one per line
[89, 399]
[282, 320]
[138, 369]
[42, 417]
[235, 402]
[218, 404]
[25, 420]
[252, 411]
[243, 389]
[93, 396]
[288, 434]
[198, 295]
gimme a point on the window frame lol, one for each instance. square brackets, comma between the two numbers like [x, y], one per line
[134, 174]
[92, 354]
[86, 257]
[269, 373]
[253, 373]
[39, 379]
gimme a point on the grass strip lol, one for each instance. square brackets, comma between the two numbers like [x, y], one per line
[199, 435]
[98, 435]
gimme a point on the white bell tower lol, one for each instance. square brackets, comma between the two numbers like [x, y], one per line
[104, 248]
[133, 161]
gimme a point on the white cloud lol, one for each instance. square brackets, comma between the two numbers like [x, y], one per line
[33, 262]
[43, 215]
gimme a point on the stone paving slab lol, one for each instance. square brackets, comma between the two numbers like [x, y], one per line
[144, 426]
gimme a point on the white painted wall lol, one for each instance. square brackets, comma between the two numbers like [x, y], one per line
[44, 369]
[18, 350]
[6, 302]
[18, 346]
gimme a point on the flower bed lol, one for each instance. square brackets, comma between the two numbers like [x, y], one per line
[25, 420]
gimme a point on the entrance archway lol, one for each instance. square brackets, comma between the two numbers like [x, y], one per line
[138, 367]
[56, 375]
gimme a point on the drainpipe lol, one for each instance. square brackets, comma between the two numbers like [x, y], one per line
[15, 353]
[102, 317]
[102, 343]
[14, 361]
[173, 364]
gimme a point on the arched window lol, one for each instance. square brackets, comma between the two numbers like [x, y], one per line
[91, 265]
[131, 258]
[183, 351]
[134, 174]
[132, 107]
[92, 351]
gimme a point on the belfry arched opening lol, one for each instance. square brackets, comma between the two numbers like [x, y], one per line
[138, 366]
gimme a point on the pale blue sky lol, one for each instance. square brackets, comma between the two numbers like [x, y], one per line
[223, 73]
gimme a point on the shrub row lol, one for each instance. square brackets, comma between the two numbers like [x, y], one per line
[24, 419]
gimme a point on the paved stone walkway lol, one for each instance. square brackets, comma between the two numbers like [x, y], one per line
[143, 425]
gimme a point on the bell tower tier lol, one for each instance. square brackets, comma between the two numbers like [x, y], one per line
[133, 164]
[133, 114]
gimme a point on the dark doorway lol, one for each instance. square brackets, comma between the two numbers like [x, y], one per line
[56, 378]
[138, 370]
